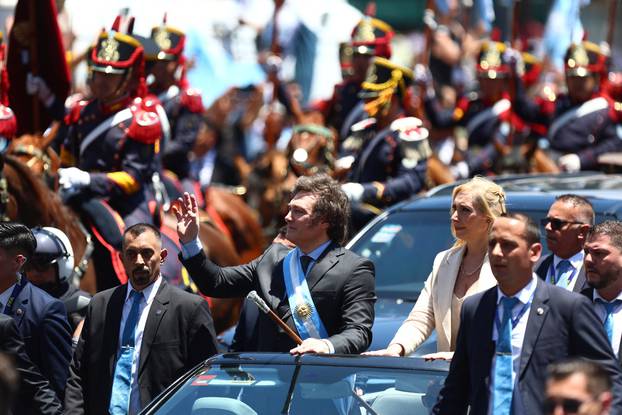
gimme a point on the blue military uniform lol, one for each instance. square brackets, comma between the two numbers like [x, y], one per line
[484, 120]
[585, 129]
[117, 149]
[382, 164]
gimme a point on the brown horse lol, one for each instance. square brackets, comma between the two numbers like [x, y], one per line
[25, 198]
[34, 158]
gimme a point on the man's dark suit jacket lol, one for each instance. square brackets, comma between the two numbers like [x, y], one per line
[542, 270]
[42, 322]
[561, 324]
[341, 285]
[179, 333]
[589, 293]
[35, 395]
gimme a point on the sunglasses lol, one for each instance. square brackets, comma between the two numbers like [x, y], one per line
[569, 405]
[557, 224]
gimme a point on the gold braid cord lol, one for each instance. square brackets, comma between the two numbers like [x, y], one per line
[385, 91]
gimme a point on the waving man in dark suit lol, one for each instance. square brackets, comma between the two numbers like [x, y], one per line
[321, 290]
[509, 334]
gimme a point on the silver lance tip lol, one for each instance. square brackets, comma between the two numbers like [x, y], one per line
[255, 298]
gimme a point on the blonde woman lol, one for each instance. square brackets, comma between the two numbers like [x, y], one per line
[457, 273]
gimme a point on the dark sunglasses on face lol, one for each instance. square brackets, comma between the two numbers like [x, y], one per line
[557, 224]
[570, 406]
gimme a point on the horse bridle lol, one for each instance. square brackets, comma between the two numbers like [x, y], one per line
[4, 198]
[35, 154]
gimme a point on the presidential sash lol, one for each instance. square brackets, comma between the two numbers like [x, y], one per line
[306, 317]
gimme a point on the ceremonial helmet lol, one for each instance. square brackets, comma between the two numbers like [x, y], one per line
[169, 41]
[584, 59]
[117, 52]
[372, 37]
[492, 62]
[384, 78]
[53, 247]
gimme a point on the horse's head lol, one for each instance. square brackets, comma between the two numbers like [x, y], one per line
[311, 150]
[34, 151]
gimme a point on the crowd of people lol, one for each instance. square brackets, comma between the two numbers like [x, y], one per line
[524, 334]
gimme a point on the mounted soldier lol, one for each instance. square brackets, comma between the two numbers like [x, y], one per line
[578, 125]
[487, 115]
[385, 156]
[182, 107]
[370, 37]
[107, 145]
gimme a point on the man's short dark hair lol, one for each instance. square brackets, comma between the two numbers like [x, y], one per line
[139, 229]
[610, 228]
[17, 238]
[532, 231]
[332, 205]
[584, 205]
[598, 380]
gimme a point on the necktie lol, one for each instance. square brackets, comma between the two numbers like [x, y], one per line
[305, 261]
[120, 397]
[563, 272]
[609, 308]
[503, 386]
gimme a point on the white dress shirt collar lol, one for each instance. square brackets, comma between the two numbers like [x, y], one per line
[525, 294]
[149, 292]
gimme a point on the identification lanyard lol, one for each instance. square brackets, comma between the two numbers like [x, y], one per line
[514, 321]
[552, 277]
[8, 309]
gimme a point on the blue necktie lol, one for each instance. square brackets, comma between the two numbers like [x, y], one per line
[120, 397]
[503, 386]
[608, 323]
[563, 272]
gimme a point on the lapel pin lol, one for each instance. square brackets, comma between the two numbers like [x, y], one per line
[158, 312]
[19, 312]
[540, 311]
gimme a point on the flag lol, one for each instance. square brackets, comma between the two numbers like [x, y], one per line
[563, 27]
[35, 46]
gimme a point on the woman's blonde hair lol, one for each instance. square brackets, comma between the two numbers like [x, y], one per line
[488, 198]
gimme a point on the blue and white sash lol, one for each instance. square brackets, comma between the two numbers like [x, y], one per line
[304, 313]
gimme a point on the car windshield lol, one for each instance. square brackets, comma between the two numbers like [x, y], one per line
[248, 389]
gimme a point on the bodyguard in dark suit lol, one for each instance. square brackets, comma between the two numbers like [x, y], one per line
[138, 337]
[34, 393]
[509, 334]
[335, 313]
[40, 318]
[566, 225]
[603, 264]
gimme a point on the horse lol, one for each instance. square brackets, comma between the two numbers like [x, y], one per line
[34, 159]
[26, 199]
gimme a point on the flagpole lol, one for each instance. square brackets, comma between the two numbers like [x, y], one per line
[33, 63]
[611, 27]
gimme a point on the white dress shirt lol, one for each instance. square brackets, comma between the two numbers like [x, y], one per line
[576, 261]
[616, 318]
[525, 297]
[149, 294]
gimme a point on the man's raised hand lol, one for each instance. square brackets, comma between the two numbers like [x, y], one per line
[186, 211]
